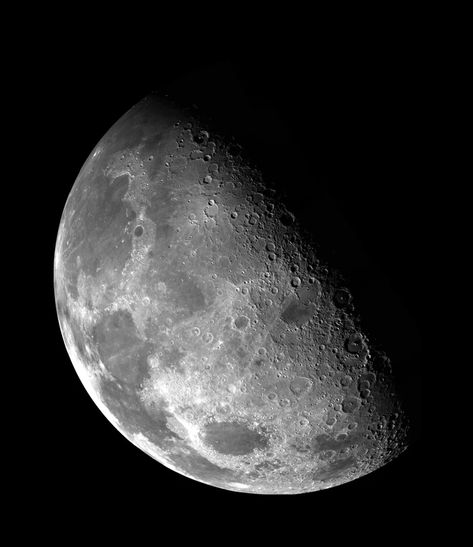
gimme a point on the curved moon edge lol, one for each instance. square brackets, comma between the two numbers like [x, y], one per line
[205, 326]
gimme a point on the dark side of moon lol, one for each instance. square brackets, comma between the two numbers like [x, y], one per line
[202, 322]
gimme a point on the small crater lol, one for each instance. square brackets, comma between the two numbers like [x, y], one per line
[346, 381]
[350, 404]
[342, 298]
[363, 384]
[300, 385]
[354, 343]
[213, 168]
[196, 154]
[241, 322]
[369, 377]
[330, 420]
[201, 137]
[139, 231]
[208, 337]
[287, 219]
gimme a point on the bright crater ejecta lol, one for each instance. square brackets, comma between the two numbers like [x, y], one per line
[202, 322]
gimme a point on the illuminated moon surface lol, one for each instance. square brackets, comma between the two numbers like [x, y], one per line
[204, 325]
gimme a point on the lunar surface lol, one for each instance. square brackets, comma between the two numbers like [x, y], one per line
[204, 325]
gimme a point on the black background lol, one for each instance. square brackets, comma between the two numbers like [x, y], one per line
[341, 131]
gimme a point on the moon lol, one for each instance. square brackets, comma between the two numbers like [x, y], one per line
[203, 323]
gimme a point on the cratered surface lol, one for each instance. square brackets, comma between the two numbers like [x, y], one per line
[204, 324]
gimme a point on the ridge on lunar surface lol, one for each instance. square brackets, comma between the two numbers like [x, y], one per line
[203, 323]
